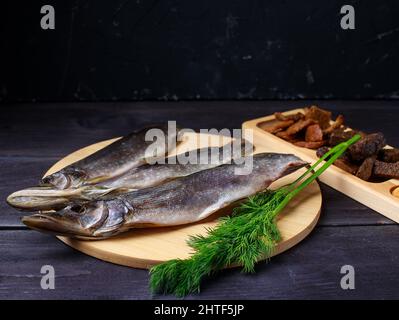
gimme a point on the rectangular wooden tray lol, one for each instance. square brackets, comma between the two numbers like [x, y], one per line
[375, 195]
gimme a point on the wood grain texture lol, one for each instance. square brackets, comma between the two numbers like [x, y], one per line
[347, 233]
[36, 129]
[377, 196]
[15, 173]
[339, 210]
[143, 248]
[309, 270]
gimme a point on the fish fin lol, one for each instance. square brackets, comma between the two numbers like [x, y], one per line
[97, 179]
[99, 192]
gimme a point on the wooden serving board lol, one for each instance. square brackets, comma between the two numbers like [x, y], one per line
[376, 195]
[143, 248]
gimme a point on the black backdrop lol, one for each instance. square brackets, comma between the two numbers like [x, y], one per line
[191, 49]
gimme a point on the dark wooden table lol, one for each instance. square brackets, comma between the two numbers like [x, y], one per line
[33, 136]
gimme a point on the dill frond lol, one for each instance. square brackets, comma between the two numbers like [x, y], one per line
[245, 237]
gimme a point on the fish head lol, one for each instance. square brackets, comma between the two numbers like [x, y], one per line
[273, 166]
[94, 220]
[290, 163]
[63, 179]
[37, 198]
[57, 179]
[45, 197]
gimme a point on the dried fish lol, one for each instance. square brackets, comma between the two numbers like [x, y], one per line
[289, 117]
[310, 144]
[180, 201]
[321, 116]
[148, 175]
[336, 125]
[82, 180]
[277, 126]
[313, 133]
[111, 161]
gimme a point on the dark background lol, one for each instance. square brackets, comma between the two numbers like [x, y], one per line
[187, 49]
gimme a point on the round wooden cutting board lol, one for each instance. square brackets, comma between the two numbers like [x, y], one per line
[143, 248]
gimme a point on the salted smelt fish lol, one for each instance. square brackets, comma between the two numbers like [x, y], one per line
[109, 162]
[58, 189]
[147, 175]
[151, 175]
[184, 200]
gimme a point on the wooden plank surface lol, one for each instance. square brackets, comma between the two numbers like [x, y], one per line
[309, 270]
[36, 129]
[377, 196]
[144, 248]
[347, 233]
[16, 172]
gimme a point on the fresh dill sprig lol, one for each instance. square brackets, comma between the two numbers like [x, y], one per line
[245, 237]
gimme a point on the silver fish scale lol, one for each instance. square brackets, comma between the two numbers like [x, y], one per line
[195, 197]
[180, 201]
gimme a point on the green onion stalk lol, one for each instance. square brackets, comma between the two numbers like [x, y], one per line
[247, 236]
